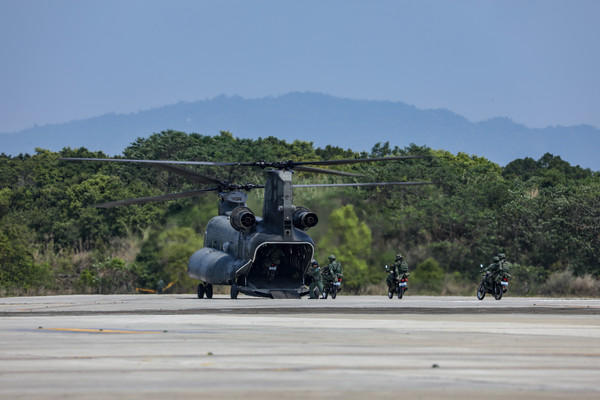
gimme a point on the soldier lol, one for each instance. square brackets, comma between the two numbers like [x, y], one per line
[328, 275]
[316, 285]
[503, 267]
[336, 266]
[331, 273]
[398, 270]
[491, 271]
[160, 286]
[272, 258]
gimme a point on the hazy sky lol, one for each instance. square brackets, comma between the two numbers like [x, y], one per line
[534, 61]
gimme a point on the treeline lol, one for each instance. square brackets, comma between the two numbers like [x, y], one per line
[543, 214]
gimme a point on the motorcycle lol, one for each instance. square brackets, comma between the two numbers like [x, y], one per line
[334, 287]
[400, 286]
[497, 289]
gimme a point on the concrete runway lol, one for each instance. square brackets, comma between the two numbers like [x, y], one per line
[177, 346]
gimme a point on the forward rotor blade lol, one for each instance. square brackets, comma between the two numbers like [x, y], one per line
[189, 174]
[363, 184]
[125, 160]
[150, 199]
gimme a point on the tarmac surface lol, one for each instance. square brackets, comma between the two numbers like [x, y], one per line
[353, 347]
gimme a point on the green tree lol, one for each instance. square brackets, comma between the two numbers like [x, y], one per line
[350, 240]
[428, 277]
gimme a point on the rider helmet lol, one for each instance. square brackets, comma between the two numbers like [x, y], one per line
[501, 256]
[496, 259]
[398, 257]
[331, 257]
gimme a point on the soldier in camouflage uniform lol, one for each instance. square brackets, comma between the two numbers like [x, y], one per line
[503, 267]
[332, 272]
[491, 271]
[273, 256]
[398, 270]
[336, 266]
[316, 286]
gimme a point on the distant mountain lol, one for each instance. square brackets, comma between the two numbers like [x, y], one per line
[323, 120]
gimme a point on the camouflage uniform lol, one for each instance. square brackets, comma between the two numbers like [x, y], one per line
[336, 266]
[331, 272]
[272, 258]
[503, 267]
[398, 270]
[317, 281]
[491, 272]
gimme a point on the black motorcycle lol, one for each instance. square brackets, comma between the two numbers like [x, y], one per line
[497, 289]
[333, 288]
[400, 286]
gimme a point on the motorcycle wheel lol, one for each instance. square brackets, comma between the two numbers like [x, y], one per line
[325, 295]
[481, 292]
[334, 292]
[497, 292]
[390, 294]
[400, 292]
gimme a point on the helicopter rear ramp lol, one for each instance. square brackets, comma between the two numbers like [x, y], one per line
[285, 294]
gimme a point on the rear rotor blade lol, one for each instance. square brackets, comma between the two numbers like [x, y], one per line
[289, 165]
[356, 160]
[364, 184]
[325, 171]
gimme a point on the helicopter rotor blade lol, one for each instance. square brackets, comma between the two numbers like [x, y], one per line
[289, 165]
[189, 174]
[325, 171]
[175, 162]
[355, 160]
[150, 199]
[362, 184]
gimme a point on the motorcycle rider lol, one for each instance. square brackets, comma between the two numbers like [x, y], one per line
[316, 286]
[491, 272]
[503, 267]
[398, 270]
[331, 273]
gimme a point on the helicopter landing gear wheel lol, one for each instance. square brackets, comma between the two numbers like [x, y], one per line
[209, 291]
[200, 291]
[234, 291]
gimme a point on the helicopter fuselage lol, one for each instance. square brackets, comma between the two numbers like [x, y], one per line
[266, 256]
[259, 262]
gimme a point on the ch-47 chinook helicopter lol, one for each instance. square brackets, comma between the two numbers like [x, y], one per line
[264, 256]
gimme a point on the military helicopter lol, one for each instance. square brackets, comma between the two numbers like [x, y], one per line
[264, 256]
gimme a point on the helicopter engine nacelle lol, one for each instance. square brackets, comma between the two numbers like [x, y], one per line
[242, 218]
[304, 219]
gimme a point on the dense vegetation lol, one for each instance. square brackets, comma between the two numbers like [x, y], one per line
[544, 214]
